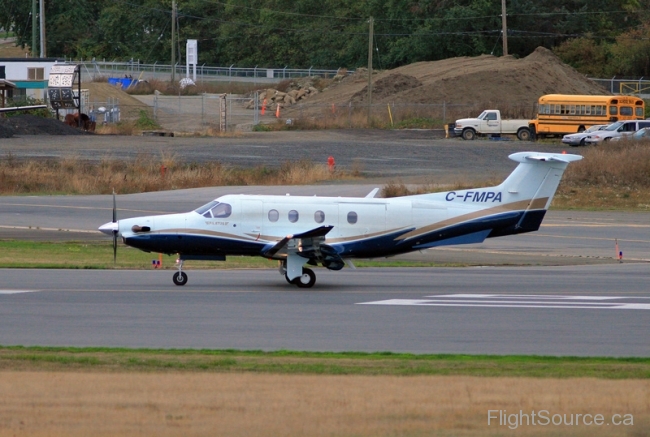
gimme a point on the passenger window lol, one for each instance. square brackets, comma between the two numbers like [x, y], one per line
[274, 215]
[491, 116]
[639, 112]
[319, 216]
[293, 216]
[613, 110]
[352, 217]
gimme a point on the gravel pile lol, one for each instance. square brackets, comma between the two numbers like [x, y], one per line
[26, 124]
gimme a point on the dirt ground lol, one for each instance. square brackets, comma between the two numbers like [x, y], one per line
[231, 404]
[484, 81]
[510, 84]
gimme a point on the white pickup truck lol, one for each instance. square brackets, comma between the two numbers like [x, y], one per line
[490, 123]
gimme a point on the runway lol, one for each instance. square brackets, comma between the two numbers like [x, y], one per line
[597, 310]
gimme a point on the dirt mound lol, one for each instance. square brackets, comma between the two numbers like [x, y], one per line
[26, 124]
[483, 80]
[102, 93]
[388, 86]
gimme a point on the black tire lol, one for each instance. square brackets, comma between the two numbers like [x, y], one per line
[180, 278]
[469, 134]
[523, 134]
[582, 142]
[306, 280]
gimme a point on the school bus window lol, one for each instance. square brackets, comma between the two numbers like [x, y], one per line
[639, 112]
[573, 110]
[557, 109]
[613, 110]
[626, 110]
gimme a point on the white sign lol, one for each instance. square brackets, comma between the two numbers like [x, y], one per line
[192, 57]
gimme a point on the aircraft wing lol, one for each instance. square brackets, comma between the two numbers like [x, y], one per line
[305, 243]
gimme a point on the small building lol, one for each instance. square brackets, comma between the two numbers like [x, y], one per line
[6, 91]
[29, 75]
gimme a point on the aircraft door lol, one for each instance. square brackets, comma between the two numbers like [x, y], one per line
[251, 217]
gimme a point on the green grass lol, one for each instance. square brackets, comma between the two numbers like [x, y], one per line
[320, 363]
[99, 255]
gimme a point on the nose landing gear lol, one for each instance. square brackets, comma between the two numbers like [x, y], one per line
[180, 277]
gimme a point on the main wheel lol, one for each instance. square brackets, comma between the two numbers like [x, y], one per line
[306, 280]
[469, 134]
[582, 142]
[180, 278]
[523, 134]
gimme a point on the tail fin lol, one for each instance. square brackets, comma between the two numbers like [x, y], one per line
[536, 178]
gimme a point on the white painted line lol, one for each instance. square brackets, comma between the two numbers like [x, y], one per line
[518, 301]
[17, 291]
[528, 296]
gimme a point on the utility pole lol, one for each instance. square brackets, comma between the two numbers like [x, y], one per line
[504, 30]
[34, 28]
[371, 30]
[43, 54]
[173, 39]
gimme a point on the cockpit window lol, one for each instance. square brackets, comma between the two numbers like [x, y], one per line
[205, 207]
[222, 210]
[215, 209]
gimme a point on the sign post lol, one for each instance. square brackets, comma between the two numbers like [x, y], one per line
[191, 57]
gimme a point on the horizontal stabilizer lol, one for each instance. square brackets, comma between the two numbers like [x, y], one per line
[544, 157]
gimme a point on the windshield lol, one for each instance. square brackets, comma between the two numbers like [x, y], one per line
[614, 126]
[595, 128]
[206, 207]
[482, 116]
[215, 209]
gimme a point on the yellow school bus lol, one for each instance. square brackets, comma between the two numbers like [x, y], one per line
[561, 114]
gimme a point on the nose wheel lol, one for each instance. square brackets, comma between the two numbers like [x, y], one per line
[180, 277]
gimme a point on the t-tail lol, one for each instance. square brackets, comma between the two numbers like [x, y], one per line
[515, 206]
[531, 187]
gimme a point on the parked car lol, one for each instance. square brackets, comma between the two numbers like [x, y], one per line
[641, 134]
[618, 129]
[579, 138]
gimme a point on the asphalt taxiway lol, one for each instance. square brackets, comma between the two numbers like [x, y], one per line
[597, 310]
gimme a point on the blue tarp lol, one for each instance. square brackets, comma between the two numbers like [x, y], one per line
[123, 82]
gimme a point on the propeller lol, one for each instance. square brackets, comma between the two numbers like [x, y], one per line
[112, 228]
[115, 229]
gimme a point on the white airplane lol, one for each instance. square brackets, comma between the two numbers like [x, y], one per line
[331, 231]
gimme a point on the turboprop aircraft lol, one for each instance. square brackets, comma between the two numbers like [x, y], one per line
[332, 231]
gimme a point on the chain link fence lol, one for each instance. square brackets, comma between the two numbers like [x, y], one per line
[240, 113]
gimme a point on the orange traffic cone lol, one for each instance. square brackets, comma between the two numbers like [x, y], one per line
[277, 112]
[264, 107]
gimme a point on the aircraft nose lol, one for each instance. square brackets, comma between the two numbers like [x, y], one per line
[108, 228]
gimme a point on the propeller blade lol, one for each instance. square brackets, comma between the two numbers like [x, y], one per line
[115, 231]
[114, 208]
[114, 247]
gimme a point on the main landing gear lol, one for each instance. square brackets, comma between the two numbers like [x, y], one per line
[180, 277]
[306, 280]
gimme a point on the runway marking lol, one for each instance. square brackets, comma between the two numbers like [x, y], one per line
[519, 301]
[17, 291]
